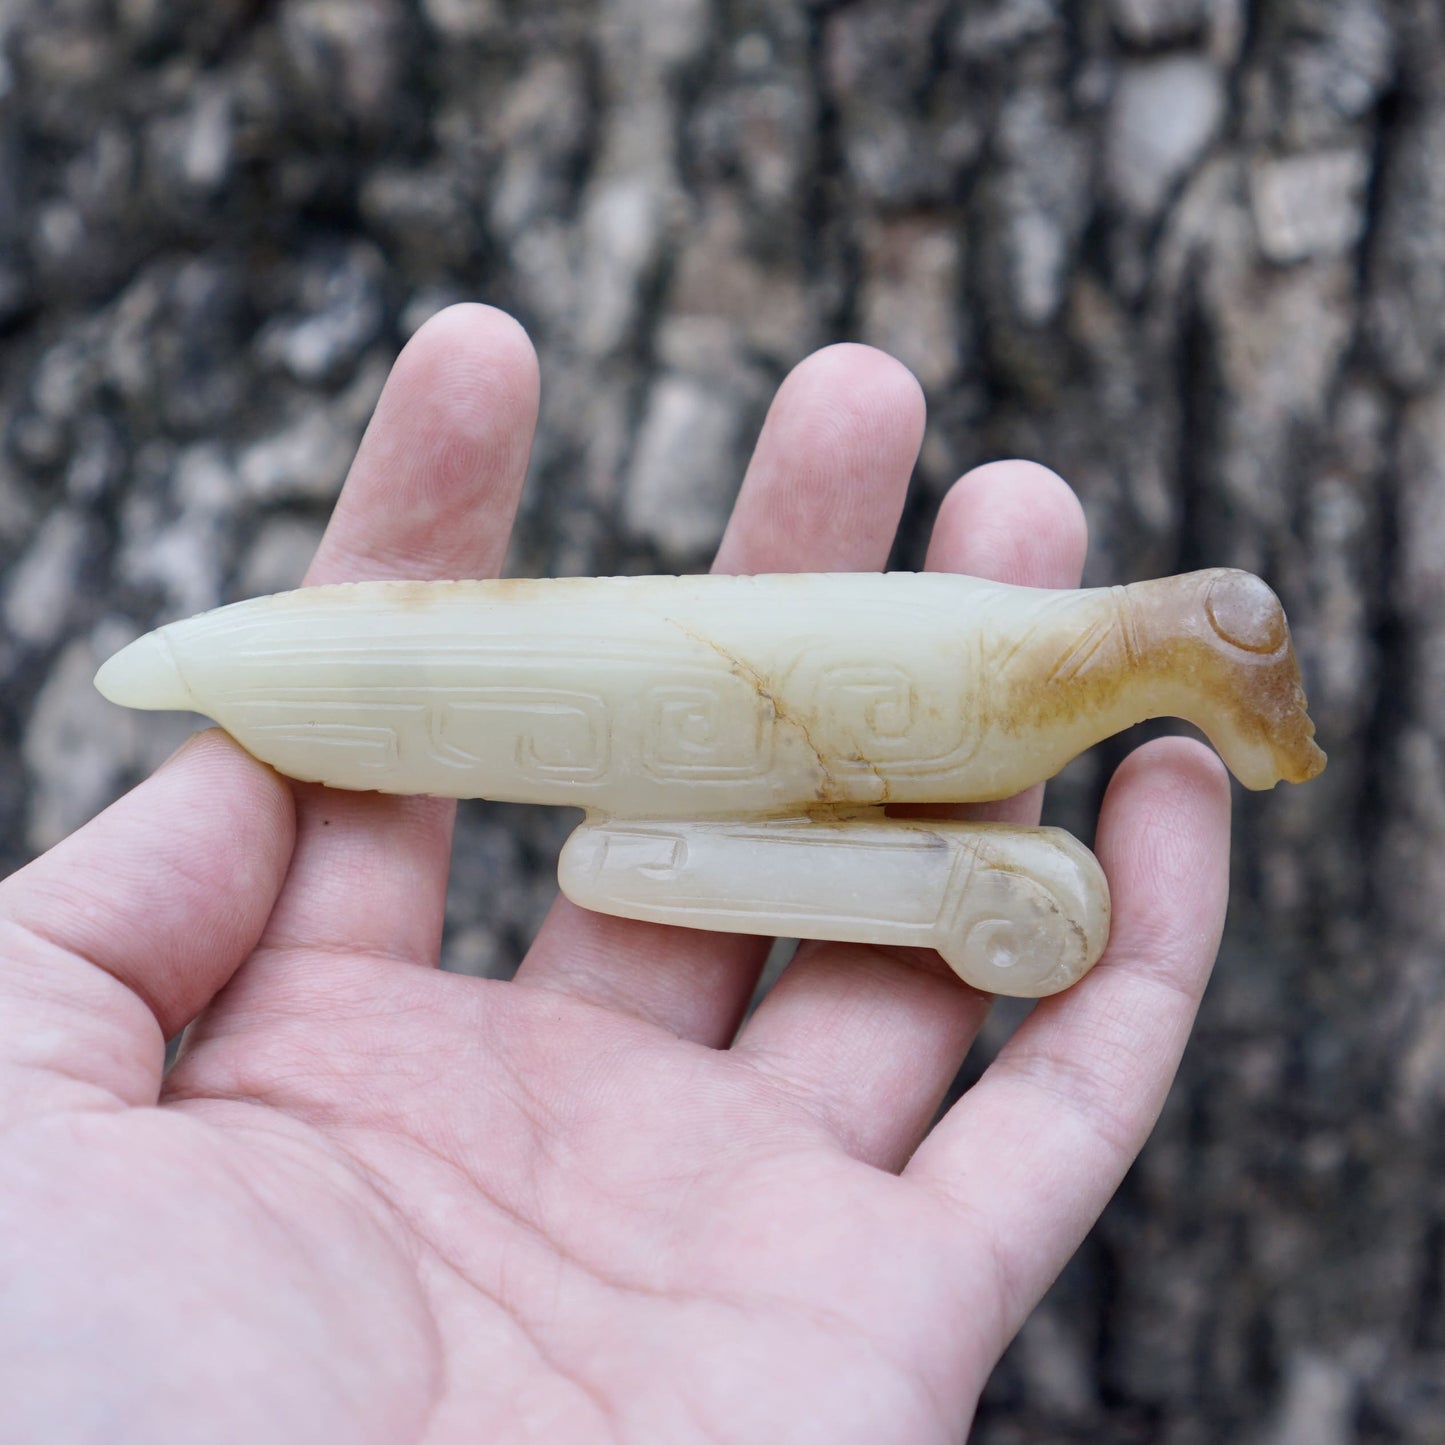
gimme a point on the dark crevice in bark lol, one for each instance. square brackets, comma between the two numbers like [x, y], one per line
[1392, 647]
[831, 248]
[1197, 389]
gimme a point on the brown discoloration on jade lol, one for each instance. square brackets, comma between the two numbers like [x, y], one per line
[1210, 647]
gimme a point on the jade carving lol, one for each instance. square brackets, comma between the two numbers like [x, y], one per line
[735, 740]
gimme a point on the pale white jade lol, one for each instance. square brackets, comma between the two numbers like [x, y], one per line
[1022, 911]
[739, 724]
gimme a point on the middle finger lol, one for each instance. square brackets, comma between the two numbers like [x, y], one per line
[431, 494]
[823, 492]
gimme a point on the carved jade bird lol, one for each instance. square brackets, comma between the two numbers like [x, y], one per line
[735, 740]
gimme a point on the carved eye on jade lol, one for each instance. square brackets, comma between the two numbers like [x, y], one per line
[735, 740]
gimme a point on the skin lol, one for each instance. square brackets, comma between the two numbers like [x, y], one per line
[373, 1202]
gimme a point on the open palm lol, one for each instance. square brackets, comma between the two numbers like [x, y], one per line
[373, 1202]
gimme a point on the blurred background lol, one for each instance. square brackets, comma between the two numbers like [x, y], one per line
[1190, 254]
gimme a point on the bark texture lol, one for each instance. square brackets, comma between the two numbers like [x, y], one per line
[1190, 253]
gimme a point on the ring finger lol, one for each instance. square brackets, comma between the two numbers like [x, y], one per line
[869, 1038]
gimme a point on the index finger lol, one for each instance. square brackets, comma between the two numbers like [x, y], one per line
[431, 495]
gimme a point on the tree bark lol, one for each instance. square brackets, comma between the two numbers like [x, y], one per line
[1189, 254]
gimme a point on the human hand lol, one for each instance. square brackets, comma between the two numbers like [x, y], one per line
[373, 1202]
